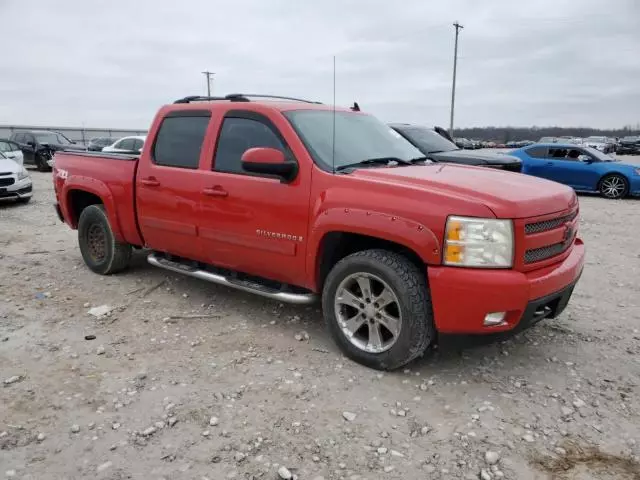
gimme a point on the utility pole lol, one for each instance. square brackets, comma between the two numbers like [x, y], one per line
[208, 74]
[453, 87]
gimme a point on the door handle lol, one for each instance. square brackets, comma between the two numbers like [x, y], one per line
[550, 164]
[216, 191]
[150, 182]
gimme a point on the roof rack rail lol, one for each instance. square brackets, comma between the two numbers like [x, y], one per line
[239, 97]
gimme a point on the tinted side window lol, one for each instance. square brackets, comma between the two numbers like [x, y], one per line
[19, 137]
[179, 141]
[557, 152]
[126, 144]
[137, 144]
[537, 152]
[238, 135]
[5, 147]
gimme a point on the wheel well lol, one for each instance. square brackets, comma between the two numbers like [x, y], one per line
[79, 200]
[337, 245]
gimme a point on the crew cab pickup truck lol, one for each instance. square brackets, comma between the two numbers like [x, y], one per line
[296, 200]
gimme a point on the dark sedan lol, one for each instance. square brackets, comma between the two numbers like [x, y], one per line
[629, 146]
[439, 149]
[39, 146]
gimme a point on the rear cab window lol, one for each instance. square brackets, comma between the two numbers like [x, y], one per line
[179, 139]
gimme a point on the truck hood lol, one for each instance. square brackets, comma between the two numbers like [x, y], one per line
[507, 194]
[475, 157]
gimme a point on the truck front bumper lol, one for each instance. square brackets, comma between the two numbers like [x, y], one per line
[462, 298]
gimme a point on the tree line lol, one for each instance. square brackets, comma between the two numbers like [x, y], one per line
[514, 134]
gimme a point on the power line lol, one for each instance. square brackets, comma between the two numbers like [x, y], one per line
[458, 27]
[208, 74]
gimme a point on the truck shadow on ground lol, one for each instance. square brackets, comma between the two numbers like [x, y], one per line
[451, 353]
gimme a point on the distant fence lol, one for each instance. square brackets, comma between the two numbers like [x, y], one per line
[78, 135]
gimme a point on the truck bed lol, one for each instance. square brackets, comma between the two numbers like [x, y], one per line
[110, 176]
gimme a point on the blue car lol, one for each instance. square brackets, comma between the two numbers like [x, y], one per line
[583, 168]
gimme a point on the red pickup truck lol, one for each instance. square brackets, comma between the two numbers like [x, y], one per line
[295, 200]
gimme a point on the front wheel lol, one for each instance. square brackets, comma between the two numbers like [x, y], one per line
[100, 250]
[614, 186]
[377, 307]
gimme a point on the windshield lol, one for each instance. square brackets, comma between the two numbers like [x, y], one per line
[358, 137]
[427, 140]
[51, 137]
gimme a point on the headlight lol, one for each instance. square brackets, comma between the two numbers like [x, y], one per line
[478, 242]
[22, 174]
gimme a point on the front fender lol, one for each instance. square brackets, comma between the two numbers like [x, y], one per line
[405, 232]
[95, 187]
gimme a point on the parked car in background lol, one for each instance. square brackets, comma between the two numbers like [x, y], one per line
[12, 150]
[438, 149]
[15, 181]
[629, 146]
[39, 146]
[98, 143]
[602, 144]
[580, 167]
[126, 145]
[297, 201]
[464, 143]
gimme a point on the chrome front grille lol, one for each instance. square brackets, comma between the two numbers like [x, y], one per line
[546, 225]
[545, 239]
[539, 254]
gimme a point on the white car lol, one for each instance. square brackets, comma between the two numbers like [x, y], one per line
[12, 150]
[127, 145]
[15, 181]
[599, 143]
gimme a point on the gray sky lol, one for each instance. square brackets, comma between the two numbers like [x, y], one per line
[113, 63]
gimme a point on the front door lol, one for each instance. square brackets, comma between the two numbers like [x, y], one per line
[248, 222]
[168, 185]
[571, 166]
[28, 146]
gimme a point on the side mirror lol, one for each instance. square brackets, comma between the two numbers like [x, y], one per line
[32, 144]
[269, 161]
[585, 159]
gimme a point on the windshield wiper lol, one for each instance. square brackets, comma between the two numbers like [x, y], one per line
[413, 161]
[373, 161]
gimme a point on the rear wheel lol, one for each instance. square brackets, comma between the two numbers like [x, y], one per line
[614, 186]
[100, 250]
[377, 307]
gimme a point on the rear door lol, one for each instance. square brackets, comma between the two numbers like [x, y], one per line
[249, 222]
[169, 184]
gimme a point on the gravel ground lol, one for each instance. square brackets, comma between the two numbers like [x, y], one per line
[187, 380]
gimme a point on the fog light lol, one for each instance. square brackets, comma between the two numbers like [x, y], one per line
[494, 318]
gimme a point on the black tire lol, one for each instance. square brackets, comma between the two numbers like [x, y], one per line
[100, 250]
[41, 163]
[607, 192]
[408, 283]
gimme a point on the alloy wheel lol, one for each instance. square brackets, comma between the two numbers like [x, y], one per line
[368, 312]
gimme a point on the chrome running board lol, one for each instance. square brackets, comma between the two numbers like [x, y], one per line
[244, 285]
